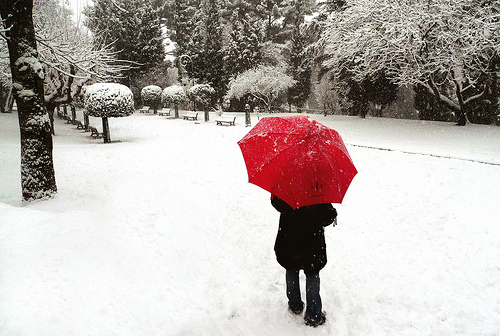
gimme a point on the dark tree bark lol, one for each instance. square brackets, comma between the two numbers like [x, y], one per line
[105, 130]
[37, 168]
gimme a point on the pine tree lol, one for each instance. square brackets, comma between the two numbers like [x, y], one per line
[300, 67]
[212, 53]
[132, 27]
[244, 50]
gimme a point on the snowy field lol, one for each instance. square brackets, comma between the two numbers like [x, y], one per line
[159, 233]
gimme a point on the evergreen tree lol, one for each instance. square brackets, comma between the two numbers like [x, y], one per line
[183, 25]
[244, 50]
[300, 67]
[132, 27]
[212, 52]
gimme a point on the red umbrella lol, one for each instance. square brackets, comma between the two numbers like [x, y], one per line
[298, 159]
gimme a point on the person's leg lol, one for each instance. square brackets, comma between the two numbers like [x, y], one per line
[314, 315]
[293, 292]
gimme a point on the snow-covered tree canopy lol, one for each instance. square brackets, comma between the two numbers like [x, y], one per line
[438, 44]
[151, 95]
[108, 100]
[173, 94]
[265, 83]
[201, 93]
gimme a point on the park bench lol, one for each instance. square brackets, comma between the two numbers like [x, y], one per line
[226, 119]
[145, 109]
[190, 116]
[164, 112]
[79, 124]
[95, 133]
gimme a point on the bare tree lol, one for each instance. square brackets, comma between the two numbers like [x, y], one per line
[450, 47]
[69, 58]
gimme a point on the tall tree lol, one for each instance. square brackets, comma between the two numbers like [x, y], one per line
[300, 67]
[212, 52]
[244, 49]
[131, 27]
[37, 168]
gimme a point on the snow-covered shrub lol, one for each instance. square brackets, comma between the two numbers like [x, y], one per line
[151, 95]
[108, 100]
[201, 93]
[174, 94]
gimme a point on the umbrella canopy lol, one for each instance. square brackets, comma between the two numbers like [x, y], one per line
[298, 159]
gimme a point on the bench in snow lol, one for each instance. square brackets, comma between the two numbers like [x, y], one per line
[95, 133]
[190, 116]
[79, 124]
[226, 120]
[145, 109]
[164, 112]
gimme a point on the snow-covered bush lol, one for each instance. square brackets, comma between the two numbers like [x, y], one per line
[151, 96]
[173, 94]
[108, 100]
[203, 94]
[105, 100]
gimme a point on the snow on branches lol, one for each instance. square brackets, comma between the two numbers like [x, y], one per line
[173, 94]
[108, 100]
[264, 83]
[151, 95]
[439, 44]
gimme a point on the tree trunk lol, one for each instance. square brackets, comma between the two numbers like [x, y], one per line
[105, 130]
[207, 116]
[86, 121]
[73, 112]
[176, 108]
[37, 168]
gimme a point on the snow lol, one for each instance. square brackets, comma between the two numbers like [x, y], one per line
[159, 233]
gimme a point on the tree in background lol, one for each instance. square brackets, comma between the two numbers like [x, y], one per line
[174, 94]
[439, 45]
[151, 96]
[265, 84]
[37, 167]
[68, 56]
[299, 66]
[202, 94]
[212, 56]
[132, 28]
[108, 100]
[243, 50]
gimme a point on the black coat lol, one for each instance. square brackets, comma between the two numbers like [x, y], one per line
[300, 243]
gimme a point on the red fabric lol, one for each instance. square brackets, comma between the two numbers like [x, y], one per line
[298, 159]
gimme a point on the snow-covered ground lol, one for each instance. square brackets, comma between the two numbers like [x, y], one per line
[159, 233]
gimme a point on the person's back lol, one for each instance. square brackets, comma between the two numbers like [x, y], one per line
[300, 244]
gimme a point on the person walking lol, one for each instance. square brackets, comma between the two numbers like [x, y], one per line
[300, 245]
